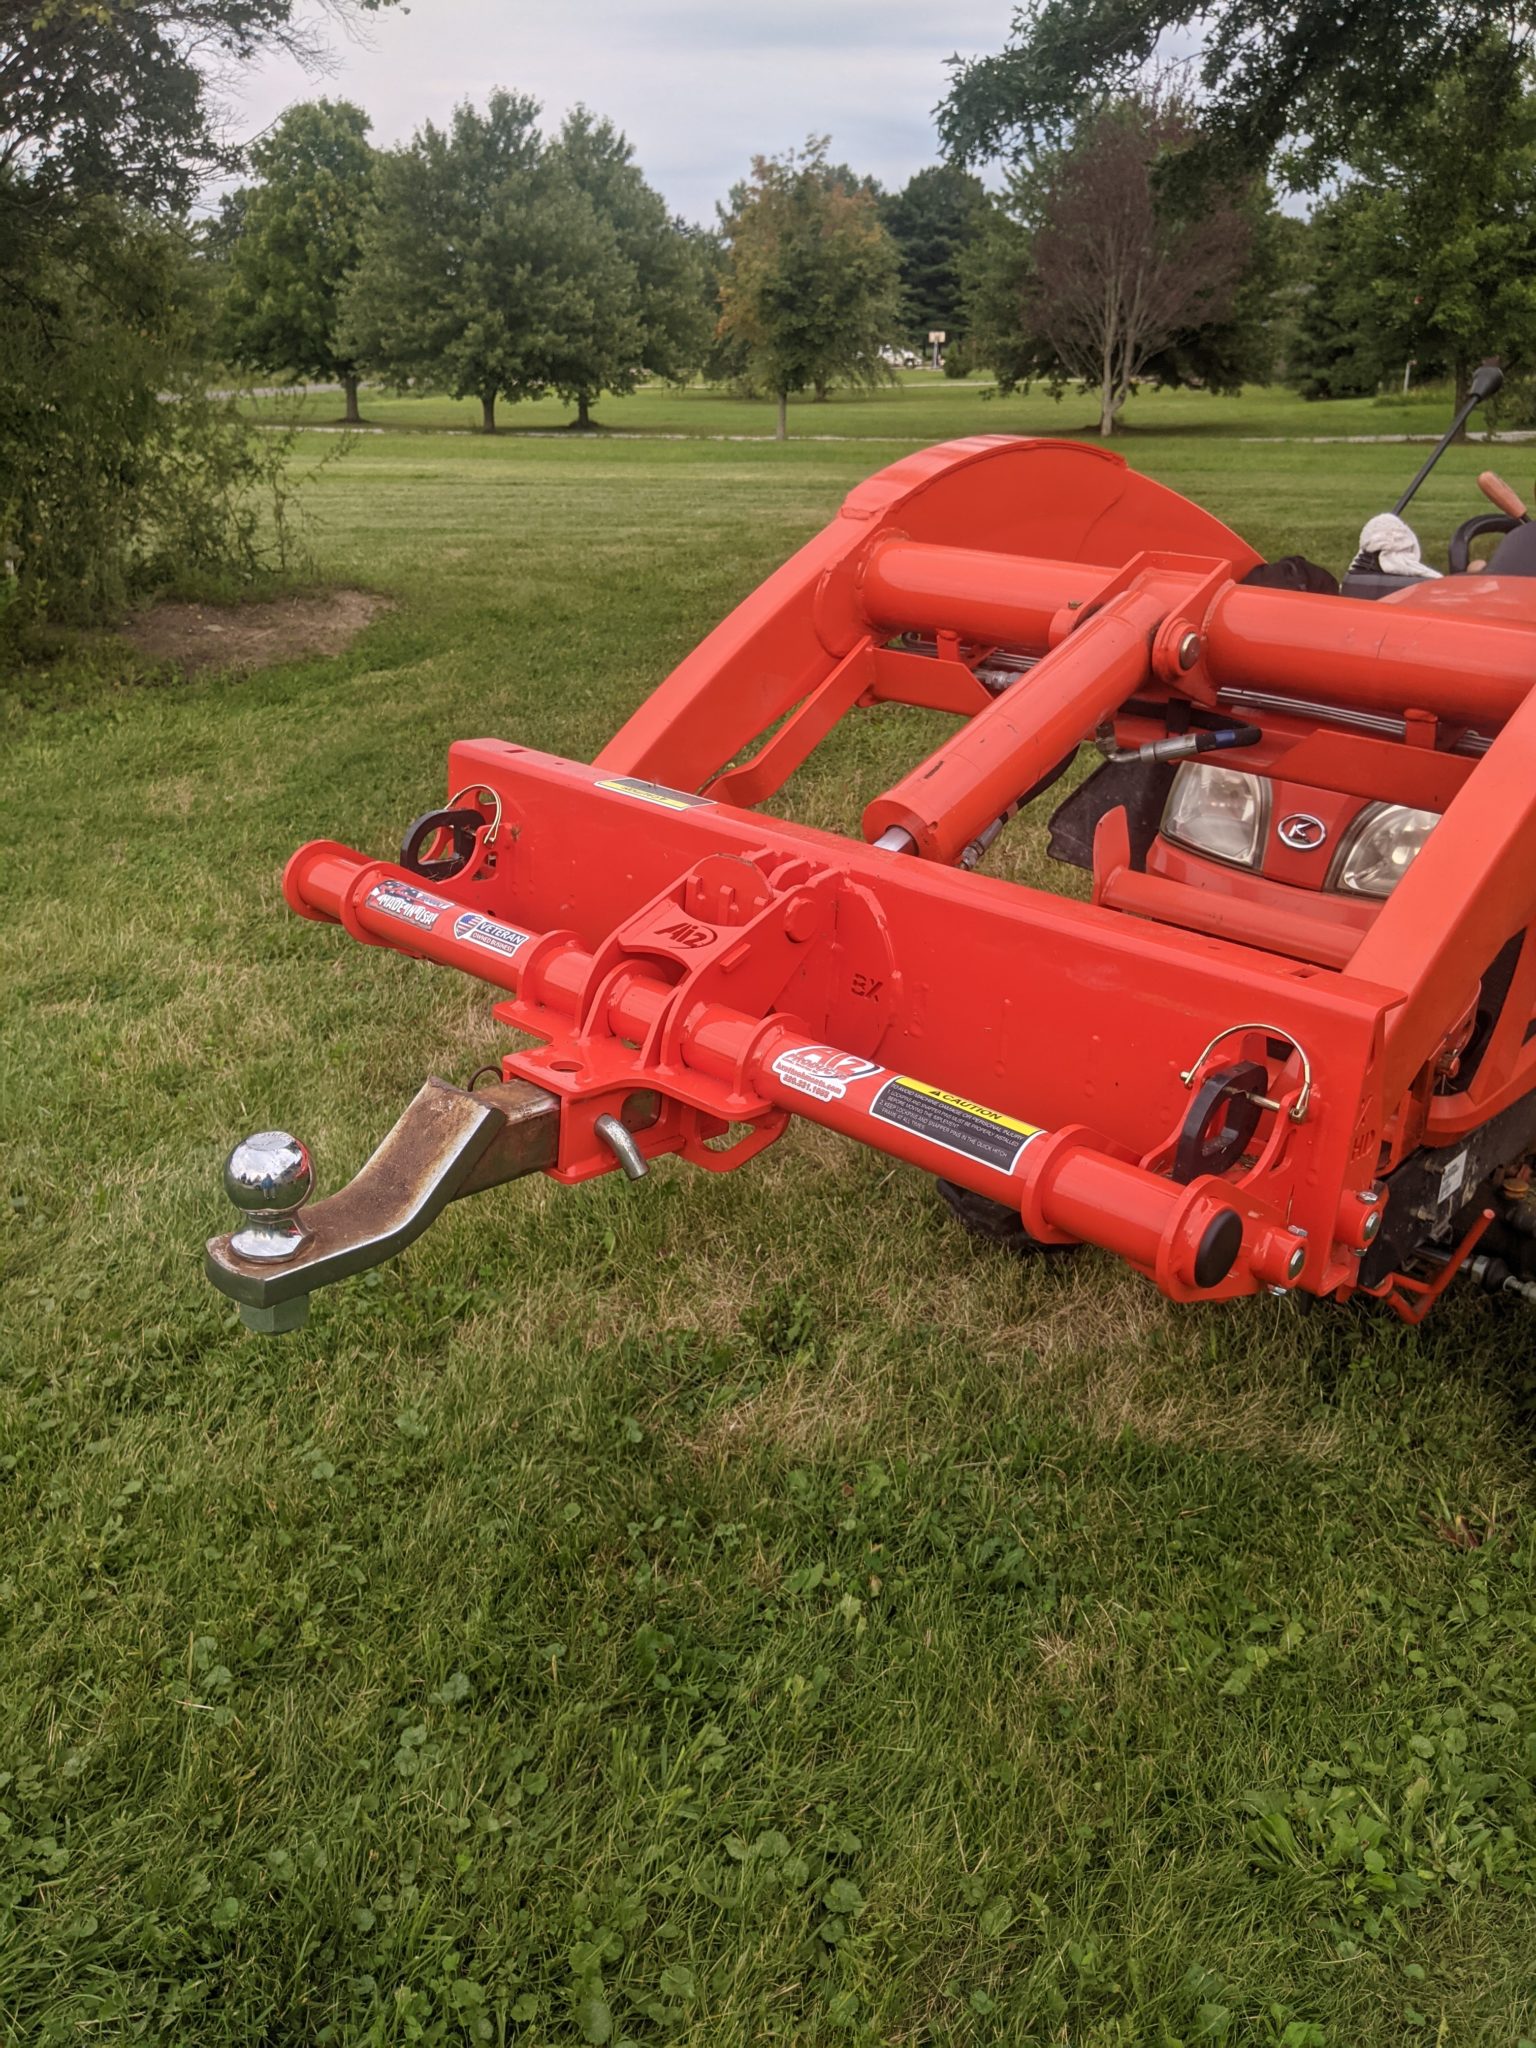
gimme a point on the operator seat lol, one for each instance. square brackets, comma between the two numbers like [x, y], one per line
[1515, 554]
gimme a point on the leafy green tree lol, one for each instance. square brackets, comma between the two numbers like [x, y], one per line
[296, 244]
[664, 304]
[118, 472]
[1430, 252]
[1312, 70]
[1105, 272]
[486, 271]
[933, 220]
[109, 120]
[996, 274]
[1340, 351]
[850, 180]
[119, 97]
[812, 287]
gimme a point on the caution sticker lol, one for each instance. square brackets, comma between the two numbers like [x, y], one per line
[821, 1070]
[653, 793]
[476, 930]
[411, 905]
[969, 1128]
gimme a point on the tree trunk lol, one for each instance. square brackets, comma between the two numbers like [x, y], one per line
[352, 416]
[823, 393]
[1107, 406]
[487, 412]
[782, 432]
[583, 410]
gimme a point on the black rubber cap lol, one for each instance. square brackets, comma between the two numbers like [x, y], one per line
[1219, 1247]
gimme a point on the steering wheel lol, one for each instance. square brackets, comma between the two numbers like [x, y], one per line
[1509, 514]
[1458, 555]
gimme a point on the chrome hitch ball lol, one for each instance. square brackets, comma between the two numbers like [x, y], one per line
[269, 1177]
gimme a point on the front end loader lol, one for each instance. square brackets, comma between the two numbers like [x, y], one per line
[1289, 1044]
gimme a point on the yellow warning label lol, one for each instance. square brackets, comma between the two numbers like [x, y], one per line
[653, 793]
[993, 1116]
[953, 1121]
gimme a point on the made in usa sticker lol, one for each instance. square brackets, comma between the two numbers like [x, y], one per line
[411, 905]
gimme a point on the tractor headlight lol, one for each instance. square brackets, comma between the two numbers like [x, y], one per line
[1383, 844]
[1222, 812]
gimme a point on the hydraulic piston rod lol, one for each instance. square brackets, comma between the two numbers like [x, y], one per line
[973, 778]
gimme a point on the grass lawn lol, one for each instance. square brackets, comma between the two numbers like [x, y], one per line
[713, 1612]
[920, 406]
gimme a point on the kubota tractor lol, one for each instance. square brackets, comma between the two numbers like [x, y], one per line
[1290, 1043]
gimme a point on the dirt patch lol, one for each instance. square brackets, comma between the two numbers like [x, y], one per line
[192, 637]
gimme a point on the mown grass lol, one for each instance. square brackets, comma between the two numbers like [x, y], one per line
[711, 1612]
[918, 406]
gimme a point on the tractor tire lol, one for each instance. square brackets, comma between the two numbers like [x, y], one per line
[994, 1221]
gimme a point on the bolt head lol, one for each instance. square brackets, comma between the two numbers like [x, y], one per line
[1370, 1229]
[1189, 650]
[269, 1172]
[1298, 1260]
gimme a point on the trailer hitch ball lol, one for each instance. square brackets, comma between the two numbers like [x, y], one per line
[269, 1177]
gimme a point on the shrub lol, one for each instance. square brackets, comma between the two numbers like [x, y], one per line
[118, 471]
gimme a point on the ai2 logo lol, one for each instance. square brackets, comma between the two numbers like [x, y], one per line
[686, 935]
[821, 1070]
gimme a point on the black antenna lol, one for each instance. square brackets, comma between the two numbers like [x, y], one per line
[1486, 380]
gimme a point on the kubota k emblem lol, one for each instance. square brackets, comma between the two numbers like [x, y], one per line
[1302, 832]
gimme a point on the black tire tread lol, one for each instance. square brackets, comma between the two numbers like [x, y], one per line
[993, 1221]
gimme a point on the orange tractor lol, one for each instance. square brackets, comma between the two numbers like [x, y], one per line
[1290, 1043]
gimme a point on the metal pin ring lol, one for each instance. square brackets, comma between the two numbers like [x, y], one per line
[1299, 1106]
[477, 790]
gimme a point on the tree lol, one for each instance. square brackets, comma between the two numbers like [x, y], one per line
[297, 243]
[812, 287]
[933, 220]
[1112, 274]
[115, 466]
[1430, 252]
[996, 277]
[118, 98]
[1339, 350]
[1312, 70]
[664, 305]
[118, 471]
[485, 271]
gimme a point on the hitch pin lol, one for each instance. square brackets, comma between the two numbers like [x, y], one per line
[620, 1142]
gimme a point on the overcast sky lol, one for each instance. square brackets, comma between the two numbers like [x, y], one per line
[699, 89]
